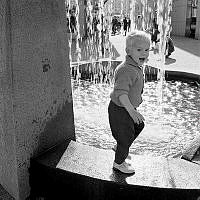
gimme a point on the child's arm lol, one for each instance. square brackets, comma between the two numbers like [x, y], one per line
[136, 116]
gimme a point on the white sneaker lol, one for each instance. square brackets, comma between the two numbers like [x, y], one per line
[124, 168]
[114, 149]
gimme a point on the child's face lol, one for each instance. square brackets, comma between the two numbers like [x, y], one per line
[139, 51]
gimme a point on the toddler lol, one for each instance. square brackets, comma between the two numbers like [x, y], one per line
[126, 122]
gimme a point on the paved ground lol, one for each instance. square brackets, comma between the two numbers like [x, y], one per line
[186, 56]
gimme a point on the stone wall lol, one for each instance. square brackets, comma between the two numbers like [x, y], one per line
[36, 106]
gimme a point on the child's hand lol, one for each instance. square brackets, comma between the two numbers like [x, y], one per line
[136, 116]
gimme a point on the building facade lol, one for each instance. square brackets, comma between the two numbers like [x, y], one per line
[186, 18]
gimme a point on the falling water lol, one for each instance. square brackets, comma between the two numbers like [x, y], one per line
[164, 8]
[93, 58]
[91, 24]
[90, 43]
[146, 16]
[91, 38]
[91, 30]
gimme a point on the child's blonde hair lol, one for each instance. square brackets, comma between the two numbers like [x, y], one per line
[136, 35]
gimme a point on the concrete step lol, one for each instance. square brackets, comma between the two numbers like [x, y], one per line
[86, 172]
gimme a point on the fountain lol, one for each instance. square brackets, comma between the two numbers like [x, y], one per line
[93, 66]
[84, 166]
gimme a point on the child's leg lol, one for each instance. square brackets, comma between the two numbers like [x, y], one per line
[138, 129]
[123, 130]
[124, 141]
[115, 119]
[130, 132]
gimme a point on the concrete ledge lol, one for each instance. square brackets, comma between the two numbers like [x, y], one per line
[84, 172]
[192, 150]
[182, 76]
[88, 69]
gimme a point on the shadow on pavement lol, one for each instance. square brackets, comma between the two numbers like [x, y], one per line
[169, 61]
[187, 44]
[115, 53]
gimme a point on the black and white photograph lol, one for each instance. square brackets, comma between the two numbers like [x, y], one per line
[100, 99]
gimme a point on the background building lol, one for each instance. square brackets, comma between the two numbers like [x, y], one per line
[185, 15]
[186, 18]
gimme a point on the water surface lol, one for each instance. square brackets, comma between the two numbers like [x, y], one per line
[169, 125]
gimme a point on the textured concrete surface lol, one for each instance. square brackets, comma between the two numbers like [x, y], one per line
[4, 195]
[149, 171]
[85, 172]
[36, 99]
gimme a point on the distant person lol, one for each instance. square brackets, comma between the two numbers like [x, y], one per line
[169, 47]
[73, 23]
[154, 36]
[114, 25]
[129, 24]
[95, 22]
[139, 23]
[118, 26]
[126, 122]
[125, 25]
